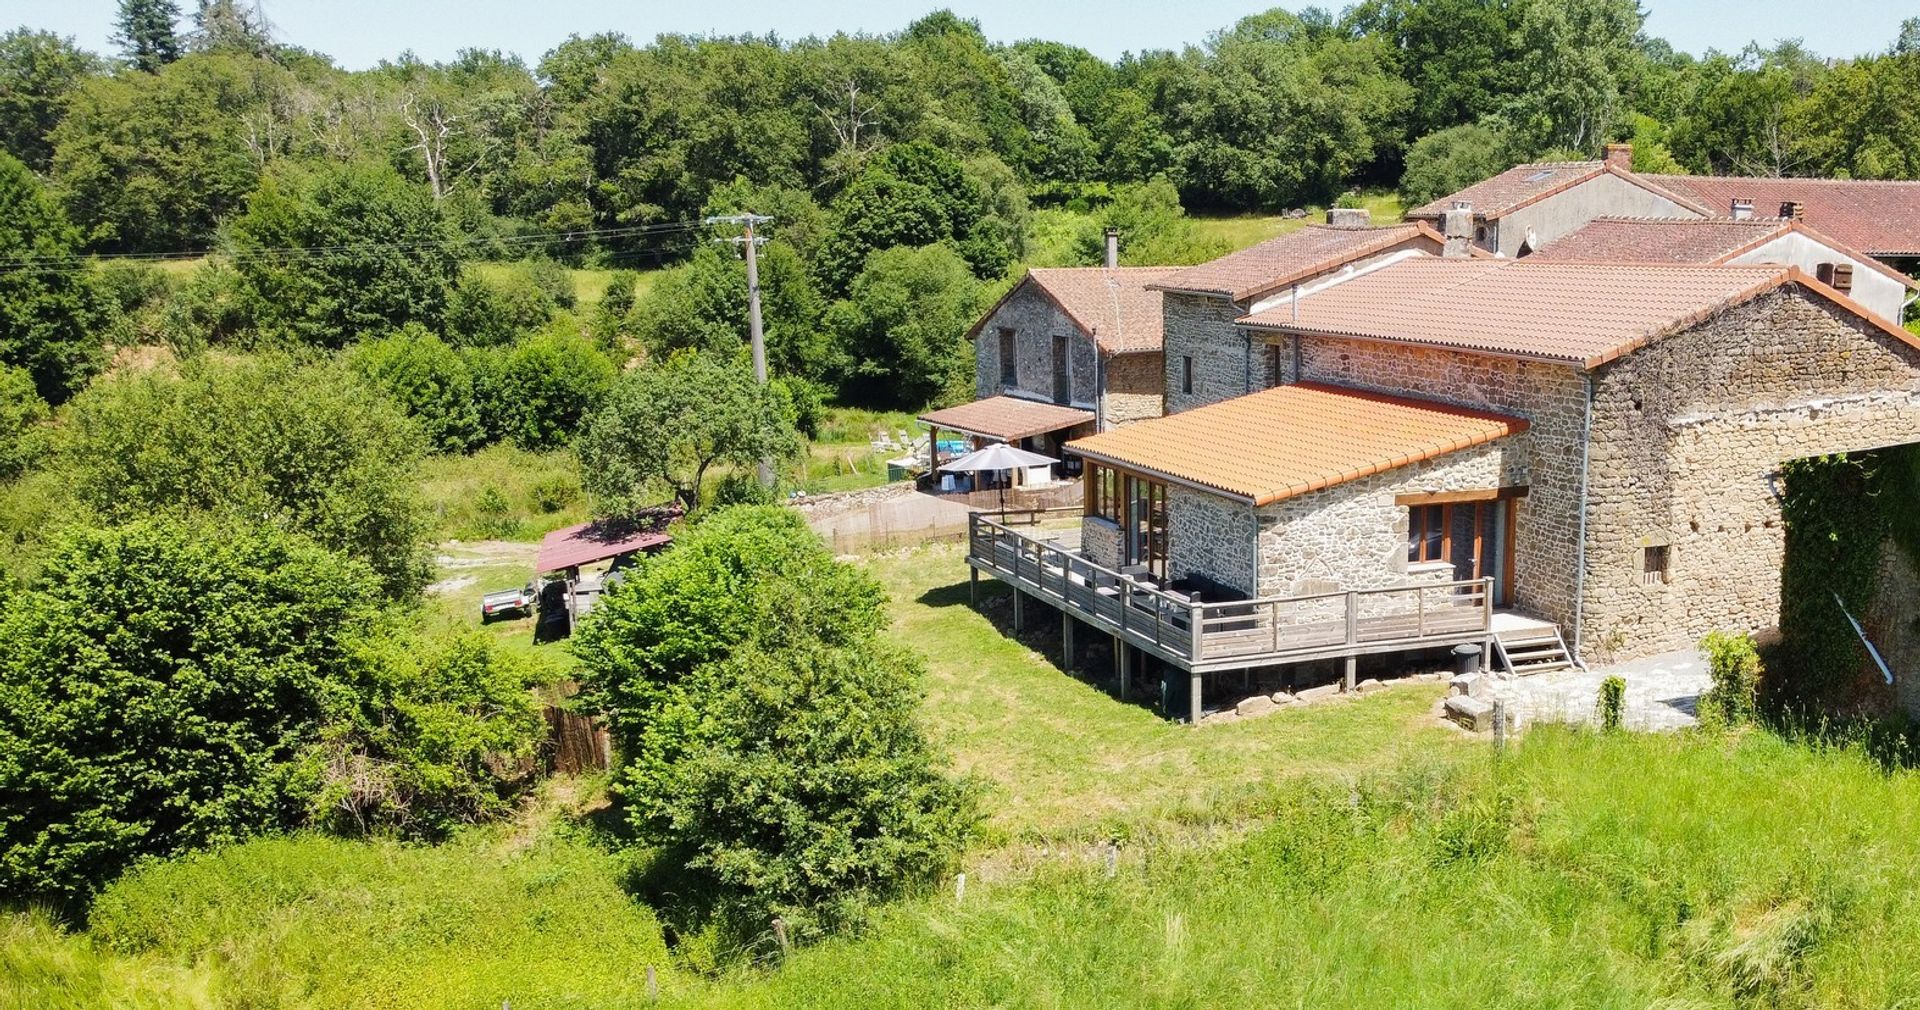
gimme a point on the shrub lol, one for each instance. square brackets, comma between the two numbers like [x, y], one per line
[1449, 160]
[156, 690]
[22, 412]
[744, 575]
[1613, 702]
[430, 381]
[47, 316]
[487, 312]
[1734, 663]
[495, 512]
[443, 735]
[551, 383]
[304, 448]
[210, 309]
[552, 493]
[798, 783]
[552, 280]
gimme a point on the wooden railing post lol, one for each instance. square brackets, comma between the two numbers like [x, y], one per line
[1196, 617]
[1420, 607]
[1353, 617]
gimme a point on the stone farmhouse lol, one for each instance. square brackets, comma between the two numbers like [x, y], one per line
[1067, 352]
[1381, 441]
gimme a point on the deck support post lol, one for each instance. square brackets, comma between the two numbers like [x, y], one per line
[1019, 611]
[973, 586]
[1353, 663]
[1066, 641]
[1123, 661]
[1193, 701]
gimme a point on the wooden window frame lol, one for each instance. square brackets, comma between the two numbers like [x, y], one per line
[1419, 532]
[1104, 491]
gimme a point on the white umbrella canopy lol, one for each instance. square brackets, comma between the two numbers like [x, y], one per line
[998, 456]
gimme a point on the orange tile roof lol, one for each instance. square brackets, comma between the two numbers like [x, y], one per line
[1877, 218]
[1116, 307]
[1688, 240]
[1272, 445]
[1294, 256]
[1659, 240]
[1583, 314]
[1008, 418]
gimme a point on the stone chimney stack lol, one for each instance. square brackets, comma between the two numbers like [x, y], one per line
[1113, 248]
[1349, 218]
[1456, 226]
[1742, 208]
[1620, 156]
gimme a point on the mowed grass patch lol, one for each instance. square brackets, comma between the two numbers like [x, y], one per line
[1239, 231]
[1066, 762]
[1580, 871]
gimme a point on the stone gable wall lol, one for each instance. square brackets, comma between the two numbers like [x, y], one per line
[1553, 400]
[1035, 320]
[1202, 328]
[1134, 388]
[1353, 536]
[1687, 435]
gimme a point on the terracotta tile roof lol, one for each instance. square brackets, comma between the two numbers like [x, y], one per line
[1659, 240]
[1688, 240]
[1289, 440]
[1008, 418]
[1877, 218]
[1579, 313]
[1518, 185]
[1116, 307]
[1277, 262]
[585, 543]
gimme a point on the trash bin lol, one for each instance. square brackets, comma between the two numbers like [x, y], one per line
[1466, 659]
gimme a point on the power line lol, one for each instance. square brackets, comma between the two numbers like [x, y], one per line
[291, 253]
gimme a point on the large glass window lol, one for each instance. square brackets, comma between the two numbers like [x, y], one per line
[1426, 533]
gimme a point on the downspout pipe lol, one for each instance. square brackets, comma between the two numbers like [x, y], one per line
[1580, 559]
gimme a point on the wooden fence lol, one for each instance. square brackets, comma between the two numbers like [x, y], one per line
[576, 743]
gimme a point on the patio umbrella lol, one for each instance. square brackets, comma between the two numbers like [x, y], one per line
[998, 456]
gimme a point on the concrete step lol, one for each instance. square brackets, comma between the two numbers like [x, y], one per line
[1470, 712]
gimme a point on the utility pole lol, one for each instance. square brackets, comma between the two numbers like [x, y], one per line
[751, 242]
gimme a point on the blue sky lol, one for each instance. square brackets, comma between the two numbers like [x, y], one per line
[360, 32]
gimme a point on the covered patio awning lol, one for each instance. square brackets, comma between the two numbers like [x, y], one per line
[589, 542]
[1006, 418]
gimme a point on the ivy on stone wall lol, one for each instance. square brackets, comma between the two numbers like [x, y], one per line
[1838, 510]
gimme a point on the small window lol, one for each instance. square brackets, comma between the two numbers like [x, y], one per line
[1009, 360]
[1426, 533]
[1103, 492]
[1186, 373]
[1653, 565]
[1838, 276]
[1541, 176]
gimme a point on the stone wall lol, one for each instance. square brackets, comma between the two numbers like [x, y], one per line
[1353, 535]
[1212, 536]
[1100, 541]
[1134, 388]
[1202, 328]
[1035, 320]
[1551, 397]
[1687, 435]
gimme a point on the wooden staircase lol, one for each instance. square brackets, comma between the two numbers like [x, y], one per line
[1520, 652]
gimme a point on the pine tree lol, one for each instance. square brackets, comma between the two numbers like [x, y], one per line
[147, 34]
[231, 26]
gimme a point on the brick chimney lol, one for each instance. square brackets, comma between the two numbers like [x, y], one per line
[1742, 208]
[1620, 156]
[1113, 248]
[1456, 226]
[1349, 218]
[1793, 210]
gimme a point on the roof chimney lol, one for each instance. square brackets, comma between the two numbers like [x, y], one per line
[1620, 156]
[1113, 248]
[1456, 226]
[1349, 218]
[1742, 208]
[1793, 210]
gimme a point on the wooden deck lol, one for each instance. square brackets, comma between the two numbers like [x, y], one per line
[1204, 637]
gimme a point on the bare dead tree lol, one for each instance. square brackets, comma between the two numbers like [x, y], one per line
[432, 127]
[855, 119]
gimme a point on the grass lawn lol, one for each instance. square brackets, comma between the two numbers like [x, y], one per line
[502, 493]
[842, 458]
[1065, 762]
[1241, 230]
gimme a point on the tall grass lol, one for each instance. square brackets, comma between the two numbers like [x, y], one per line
[1585, 871]
[502, 493]
[318, 922]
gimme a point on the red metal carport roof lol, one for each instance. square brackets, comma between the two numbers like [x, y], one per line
[593, 541]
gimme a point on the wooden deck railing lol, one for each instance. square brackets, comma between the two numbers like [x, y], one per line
[1204, 636]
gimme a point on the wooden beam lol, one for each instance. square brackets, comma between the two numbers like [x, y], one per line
[1066, 641]
[1453, 497]
[1019, 611]
[1507, 550]
[1479, 525]
[1193, 702]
